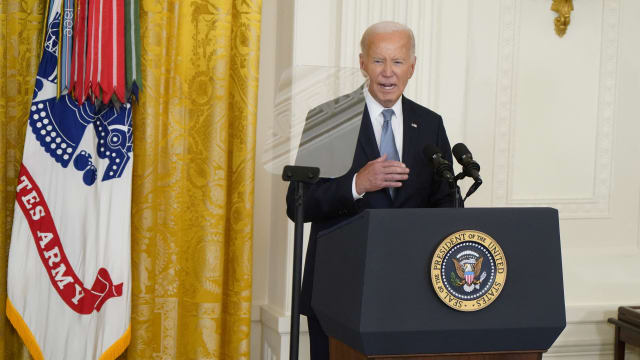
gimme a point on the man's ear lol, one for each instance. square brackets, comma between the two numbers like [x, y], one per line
[364, 73]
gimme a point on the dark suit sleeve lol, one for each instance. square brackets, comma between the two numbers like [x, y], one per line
[324, 200]
[440, 192]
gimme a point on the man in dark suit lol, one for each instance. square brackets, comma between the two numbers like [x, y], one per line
[389, 169]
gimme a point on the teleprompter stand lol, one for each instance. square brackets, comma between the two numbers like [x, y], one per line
[374, 297]
[298, 175]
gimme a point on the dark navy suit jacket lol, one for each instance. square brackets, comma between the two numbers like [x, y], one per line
[330, 200]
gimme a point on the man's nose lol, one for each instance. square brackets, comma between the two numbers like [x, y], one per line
[387, 70]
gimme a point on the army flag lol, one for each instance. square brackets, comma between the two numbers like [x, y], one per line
[69, 274]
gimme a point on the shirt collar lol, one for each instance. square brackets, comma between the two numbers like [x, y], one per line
[375, 108]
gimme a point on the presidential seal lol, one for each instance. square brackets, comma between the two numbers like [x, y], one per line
[468, 270]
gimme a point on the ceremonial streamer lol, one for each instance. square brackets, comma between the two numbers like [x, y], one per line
[132, 39]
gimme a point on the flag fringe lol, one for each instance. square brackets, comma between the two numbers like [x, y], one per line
[115, 350]
[24, 332]
[118, 347]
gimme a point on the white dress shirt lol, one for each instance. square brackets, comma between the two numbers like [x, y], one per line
[375, 114]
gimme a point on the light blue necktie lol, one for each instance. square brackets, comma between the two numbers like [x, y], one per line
[388, 142]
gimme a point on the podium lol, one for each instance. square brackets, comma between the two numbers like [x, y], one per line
[374, 297]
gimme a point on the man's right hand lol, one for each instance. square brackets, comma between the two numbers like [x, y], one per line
[379, 174]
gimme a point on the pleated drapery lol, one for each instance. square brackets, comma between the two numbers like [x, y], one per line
[194, 149]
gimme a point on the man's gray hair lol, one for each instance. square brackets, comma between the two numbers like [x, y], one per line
[386, 27]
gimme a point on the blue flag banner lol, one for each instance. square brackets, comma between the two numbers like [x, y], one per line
[67, 46]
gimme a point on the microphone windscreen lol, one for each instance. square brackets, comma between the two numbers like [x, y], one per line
[459, 150]
[430, 150]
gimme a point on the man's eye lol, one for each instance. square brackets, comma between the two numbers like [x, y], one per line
[377, 61]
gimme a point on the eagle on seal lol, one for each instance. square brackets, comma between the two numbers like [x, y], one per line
[468, 271]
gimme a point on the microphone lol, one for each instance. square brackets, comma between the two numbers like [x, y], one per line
[470, 167]
[440, 165]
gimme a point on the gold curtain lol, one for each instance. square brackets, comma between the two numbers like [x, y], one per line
[20, 36]
[194, 145]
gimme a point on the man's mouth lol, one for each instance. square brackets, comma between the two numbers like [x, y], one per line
[387, 86]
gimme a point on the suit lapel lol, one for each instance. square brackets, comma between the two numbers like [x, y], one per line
[367, 138]
[409, 134]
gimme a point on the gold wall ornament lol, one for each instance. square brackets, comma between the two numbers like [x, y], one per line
[562, 21]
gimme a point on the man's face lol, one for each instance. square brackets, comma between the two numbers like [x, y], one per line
[389, 64]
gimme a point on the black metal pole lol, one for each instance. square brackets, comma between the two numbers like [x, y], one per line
[453, 188]
[298, 175]
[297, 272]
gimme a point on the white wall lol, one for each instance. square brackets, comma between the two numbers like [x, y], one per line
[553, 122]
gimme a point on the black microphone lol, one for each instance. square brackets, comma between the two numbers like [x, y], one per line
[470, 167]
[440, 165]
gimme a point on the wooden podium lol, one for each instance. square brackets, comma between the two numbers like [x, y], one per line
[341, 351]
[373, 296]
